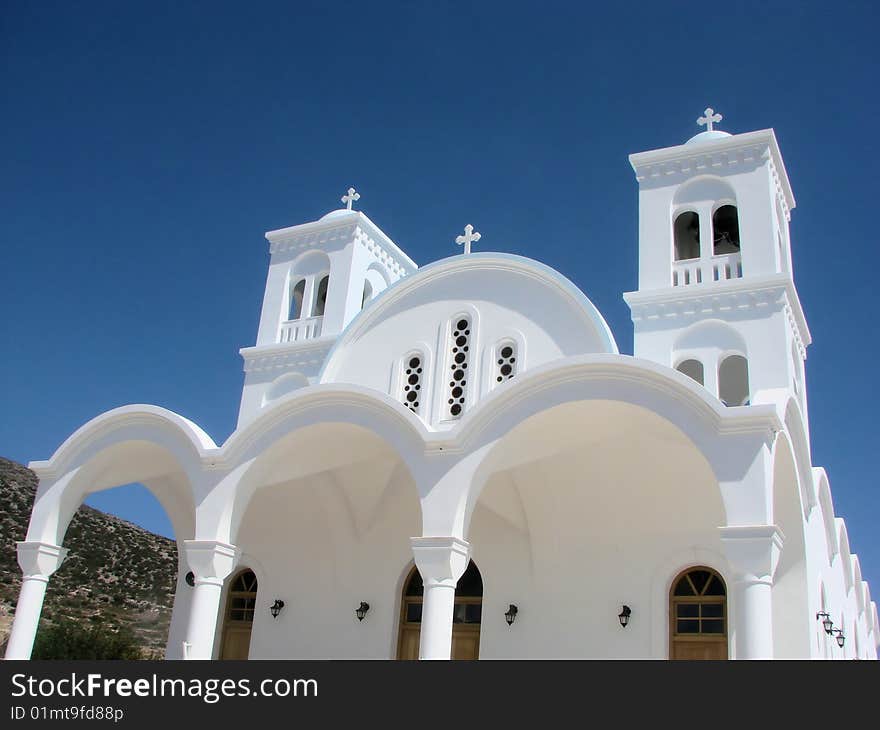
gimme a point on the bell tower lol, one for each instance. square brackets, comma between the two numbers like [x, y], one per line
[321, 275]
[716, 297]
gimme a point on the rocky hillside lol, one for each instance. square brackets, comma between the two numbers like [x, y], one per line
[116, 573]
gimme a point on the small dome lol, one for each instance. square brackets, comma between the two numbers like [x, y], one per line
[336, 214]
[708, 136]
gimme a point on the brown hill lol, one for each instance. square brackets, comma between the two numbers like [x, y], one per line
[116, 573]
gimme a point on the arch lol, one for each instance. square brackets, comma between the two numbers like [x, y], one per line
[440, 281]
[858, 584]
[698, 616]
[704, 189]
[844, 555]
[791, 624]
[711, 333]
[367, 294]
[132, 444]
[678, 401]
[377, 277]
[800, 442]
[317, 429]
[283, 385]
[466, 617]
[733, 381]
[686, 235]
[321, 296]
[238, 616]
[297, 293]
[826, 509]
[693, 368]
[725, 230]
[310, 264]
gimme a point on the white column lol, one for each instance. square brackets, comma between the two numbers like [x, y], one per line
[211, 562]
[753, 553]
[38, 560]
[441, 562]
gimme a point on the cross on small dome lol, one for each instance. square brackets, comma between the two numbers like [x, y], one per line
[470, 236]
[351, 196]
[709, 119]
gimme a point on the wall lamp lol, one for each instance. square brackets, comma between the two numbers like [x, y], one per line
[276, 607]
[510, 614]
[624, 615]
[361, 610]
[840, 637]
[827, 623]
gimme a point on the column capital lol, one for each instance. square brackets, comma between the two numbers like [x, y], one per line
[39, 559]
[441, 560]
[752, 551]
[211, 559]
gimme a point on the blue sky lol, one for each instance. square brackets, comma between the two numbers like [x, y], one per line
[147, 148]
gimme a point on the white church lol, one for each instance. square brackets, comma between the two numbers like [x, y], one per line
[455, 461]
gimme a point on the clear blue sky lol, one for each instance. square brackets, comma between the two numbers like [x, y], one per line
[148, 146]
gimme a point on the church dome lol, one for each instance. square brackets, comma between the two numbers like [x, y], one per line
[335, 214]
[708, 136]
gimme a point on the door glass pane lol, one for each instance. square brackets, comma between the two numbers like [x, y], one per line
[713, 626]
[688, 626]
[414, 613]
[713, 610]
[688, 610]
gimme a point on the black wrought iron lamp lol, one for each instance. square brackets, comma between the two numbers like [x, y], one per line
[841, 639]
[827, 623]
[623, 616]
[510, 614]
[276, 607]
[361, 610]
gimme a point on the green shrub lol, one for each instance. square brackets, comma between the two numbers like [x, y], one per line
[68, 639]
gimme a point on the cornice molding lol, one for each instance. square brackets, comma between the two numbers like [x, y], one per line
[711, 297]
[309, 354]
[740, 150]
[348, 227]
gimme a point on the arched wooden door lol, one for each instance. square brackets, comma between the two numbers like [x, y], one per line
[238, 618]
[698, 615]
[466, 616]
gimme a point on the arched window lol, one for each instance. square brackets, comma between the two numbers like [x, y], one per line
[296, 299]
[321, 297]
[466, 615]
[413, 366]
[459, 358]
[693, 369]
[505, 361]
[239, 618]
[687, 236]
[698, 615]
[368, 294]
[733, 381]
[725, 230]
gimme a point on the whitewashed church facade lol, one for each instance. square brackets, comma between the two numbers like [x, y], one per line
[455, 461]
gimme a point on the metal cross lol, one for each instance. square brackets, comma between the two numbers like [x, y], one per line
[709, 119]
[470, 236]
[350, 197]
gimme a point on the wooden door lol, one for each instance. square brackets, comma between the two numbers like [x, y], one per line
[465, 643]
[238, 618]
[236, 642]
[698, 616]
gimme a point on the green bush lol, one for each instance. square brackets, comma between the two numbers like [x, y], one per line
[68, 639]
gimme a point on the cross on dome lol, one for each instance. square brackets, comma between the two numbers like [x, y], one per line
[350, 197]
[709, 119]
[470, 236]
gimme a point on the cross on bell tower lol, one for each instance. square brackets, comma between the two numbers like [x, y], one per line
[709, 119]
[350, 197]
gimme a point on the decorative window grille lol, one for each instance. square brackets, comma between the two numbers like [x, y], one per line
[413, 366]
[505, 361]
[459, 357]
